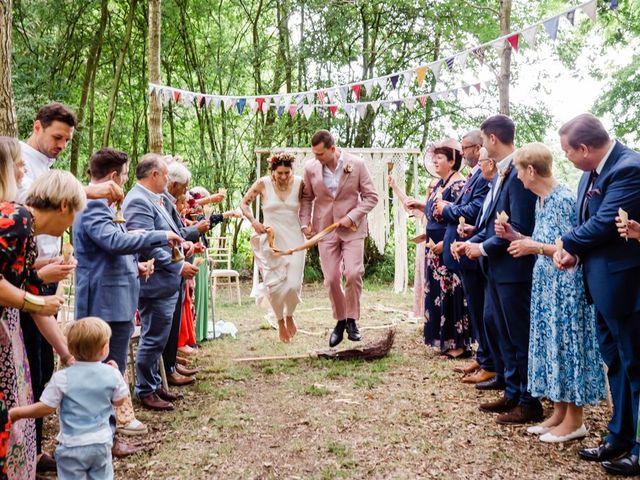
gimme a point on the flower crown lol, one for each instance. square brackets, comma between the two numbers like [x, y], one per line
[282, 157]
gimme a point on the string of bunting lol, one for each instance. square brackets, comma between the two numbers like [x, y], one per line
[332, 98]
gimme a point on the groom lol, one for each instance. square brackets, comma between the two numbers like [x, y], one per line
[338, 189]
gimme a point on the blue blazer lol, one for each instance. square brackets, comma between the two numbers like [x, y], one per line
[611, 264]
[142, 210]
[188, 233]
[467, 205]
[107, 284]
[520, 204]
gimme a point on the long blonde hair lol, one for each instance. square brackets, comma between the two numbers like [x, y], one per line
[9, 154]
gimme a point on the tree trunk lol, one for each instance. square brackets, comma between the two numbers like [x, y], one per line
[8, 124]
[155, 108]
[118, 74]
[505, 58]
[92, 64]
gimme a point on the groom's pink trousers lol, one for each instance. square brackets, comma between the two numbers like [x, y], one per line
[337, 258]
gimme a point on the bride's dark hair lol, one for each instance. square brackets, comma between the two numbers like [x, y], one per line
[281, 160]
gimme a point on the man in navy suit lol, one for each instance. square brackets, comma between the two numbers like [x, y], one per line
[468, 205]
[612, 275]
[509, 278]
[144, 210]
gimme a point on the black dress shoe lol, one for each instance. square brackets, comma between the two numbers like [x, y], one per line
[627, 466]
[338, 333]
[604, 451]
[493, 384]
[353, 333]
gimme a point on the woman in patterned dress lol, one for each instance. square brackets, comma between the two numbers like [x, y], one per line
[447, 321]
[564, 360]
[54, 200]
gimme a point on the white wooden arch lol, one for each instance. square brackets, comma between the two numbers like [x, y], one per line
[381, 162]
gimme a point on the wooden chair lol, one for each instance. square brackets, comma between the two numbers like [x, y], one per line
[220, 272]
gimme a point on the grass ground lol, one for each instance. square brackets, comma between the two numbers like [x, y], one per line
[404, 416]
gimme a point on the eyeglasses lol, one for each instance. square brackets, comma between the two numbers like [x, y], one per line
[471, 146]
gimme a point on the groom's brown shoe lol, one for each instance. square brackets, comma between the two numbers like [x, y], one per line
[338, 333]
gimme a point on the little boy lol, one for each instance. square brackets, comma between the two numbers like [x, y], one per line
[85, 392]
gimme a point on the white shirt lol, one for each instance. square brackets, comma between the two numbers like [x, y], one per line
[332, 179]
[502, 167]
[37, 164]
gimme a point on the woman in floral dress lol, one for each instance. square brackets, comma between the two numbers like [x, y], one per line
[446, 319]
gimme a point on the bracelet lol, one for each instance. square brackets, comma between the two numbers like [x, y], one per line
[32, 303]
[541, 249]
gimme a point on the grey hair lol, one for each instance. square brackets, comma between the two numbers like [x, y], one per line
[474, 136]
[147, 164]
[52, 189]
[178, 173]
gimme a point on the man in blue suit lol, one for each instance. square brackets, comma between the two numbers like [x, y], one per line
[612, 275]
[468, 205]
[144, 210]
[509, 278]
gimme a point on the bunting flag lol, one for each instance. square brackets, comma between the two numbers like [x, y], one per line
[423, 100]
[513, 41]
[294, 102]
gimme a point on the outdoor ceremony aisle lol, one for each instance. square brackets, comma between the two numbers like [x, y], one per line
[405, 416]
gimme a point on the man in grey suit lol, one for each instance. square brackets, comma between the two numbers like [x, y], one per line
[144, 210]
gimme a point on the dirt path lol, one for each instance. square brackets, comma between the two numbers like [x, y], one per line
[406, 416]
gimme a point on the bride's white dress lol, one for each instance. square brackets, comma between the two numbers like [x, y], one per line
[282, 275]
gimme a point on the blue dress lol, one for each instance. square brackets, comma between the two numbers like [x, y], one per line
[446, 317]
[564, 359]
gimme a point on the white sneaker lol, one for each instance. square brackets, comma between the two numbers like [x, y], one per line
[579, 433]
[538, 430]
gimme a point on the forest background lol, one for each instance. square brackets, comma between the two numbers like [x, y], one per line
[94, 56]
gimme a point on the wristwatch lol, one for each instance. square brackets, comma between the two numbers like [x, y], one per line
[541, 249]
[32, 303]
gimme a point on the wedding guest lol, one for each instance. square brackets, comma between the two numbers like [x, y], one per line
[108, 273]
[52, 130]
[509, 278]
[447, 322]
[85, 394]
[144, 208]
[564, 361]
[467, 206]
[612, 275]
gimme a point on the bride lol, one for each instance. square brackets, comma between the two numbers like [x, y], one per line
[280, 195]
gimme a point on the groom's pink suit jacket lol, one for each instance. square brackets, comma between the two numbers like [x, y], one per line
[355, 196]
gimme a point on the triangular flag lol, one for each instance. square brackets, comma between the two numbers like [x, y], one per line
[462, 59]
[382, 82]
[331, 95]
[551, 26]
[361, 108]
[277, 100]
[343, 94]
[435, 68]
[152, 88]
[347, 108]
[423, 99]
[408, 76]
[394, 80]
[216, 102]
[292, 110]
[265, 106]
[368, 88]
[590, 9]
[375, 105]
[479, 54]
[240, 105]
[332, 110]
[421, 72]
[280, 110]
[450, 63]
[260, 102]
[299, 99]
[227, 103]
[445, 95]
[176, 96]
[356, 90]
[208, 99]
[513, 41]
[253, 106]
[387, 105]
[307, 110]
[435, 96]
[529, 35]
[571, 16]
[477, 86]
[466, 89]
[398, 104]
[410, 102]
[320, 94]
[200, 101]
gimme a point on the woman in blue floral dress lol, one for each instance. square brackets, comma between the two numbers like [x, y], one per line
[564, 360]
[446, 319]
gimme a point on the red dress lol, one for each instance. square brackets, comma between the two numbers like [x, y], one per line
[187, 334]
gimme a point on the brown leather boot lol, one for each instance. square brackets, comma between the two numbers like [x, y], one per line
[177, 380]
[502, 405]
[521, 414]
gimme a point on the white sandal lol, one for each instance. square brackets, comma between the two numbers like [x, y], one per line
[134, 427]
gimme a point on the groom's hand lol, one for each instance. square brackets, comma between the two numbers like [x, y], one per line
[308, 232]
[345, 222]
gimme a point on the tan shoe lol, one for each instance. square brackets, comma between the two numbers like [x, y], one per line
[479, 376]
[469, 368]
[177, 380]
